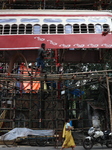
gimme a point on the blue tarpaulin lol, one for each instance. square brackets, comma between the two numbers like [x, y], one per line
[77, 92]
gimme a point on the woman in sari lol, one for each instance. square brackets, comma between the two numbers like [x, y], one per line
[69, 141]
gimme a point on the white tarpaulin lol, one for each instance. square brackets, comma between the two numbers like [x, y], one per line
[22, 132]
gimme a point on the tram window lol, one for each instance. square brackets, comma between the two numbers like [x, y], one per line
[45, 28]
[52, 28]
[91, 28]
[68, 29]
[14, 29]
[60, 28]
[75, 20]
[76, 28]
[1, 29]
[36, 29]
[29, 20]
[7, 20]
[106, 27]
[50, 20]
[98, 28]
[28, 29]
[100, 20]
[83, 28]
[21, 28]
[6, 29]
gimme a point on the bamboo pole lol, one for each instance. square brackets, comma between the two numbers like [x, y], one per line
[65, 76]
[74, 73]
[109, 102]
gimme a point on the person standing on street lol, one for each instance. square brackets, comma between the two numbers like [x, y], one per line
[69, 141]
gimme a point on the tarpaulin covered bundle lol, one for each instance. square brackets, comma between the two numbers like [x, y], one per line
[23, 132]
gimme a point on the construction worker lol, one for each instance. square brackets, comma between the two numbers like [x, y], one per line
[41, 55]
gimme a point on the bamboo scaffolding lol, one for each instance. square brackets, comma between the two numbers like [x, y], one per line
[64, 76]
[97, 75]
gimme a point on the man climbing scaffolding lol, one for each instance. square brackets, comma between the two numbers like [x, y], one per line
[41, 56]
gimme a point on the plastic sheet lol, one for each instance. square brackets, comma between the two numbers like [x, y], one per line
[22, 132]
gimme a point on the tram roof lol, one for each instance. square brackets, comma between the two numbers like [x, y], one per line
[56, 12]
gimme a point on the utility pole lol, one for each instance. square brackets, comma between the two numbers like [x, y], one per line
[109, 102]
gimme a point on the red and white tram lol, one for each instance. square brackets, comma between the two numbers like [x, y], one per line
[27, 29]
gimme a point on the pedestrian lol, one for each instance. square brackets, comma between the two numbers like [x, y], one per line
[41, 56]
[69, 141]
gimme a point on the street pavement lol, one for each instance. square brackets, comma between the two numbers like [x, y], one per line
[3, 147]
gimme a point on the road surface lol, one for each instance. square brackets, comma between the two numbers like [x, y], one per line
[3, 147]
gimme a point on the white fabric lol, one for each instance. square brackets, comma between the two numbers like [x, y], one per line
[67, 125]
[22, 132]
[95, 121]
[62, 92]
